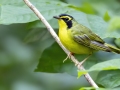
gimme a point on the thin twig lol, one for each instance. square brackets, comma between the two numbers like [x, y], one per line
[50, 29]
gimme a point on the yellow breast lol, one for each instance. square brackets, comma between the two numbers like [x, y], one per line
[70, 44]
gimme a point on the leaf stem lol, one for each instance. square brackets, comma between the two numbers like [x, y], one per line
[50, 29]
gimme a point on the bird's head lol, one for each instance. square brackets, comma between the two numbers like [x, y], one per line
[65, 20]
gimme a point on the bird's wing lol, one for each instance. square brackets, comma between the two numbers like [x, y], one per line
[86, 37]
[81, 30]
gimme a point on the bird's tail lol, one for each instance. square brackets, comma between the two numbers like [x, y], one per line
[112, 48]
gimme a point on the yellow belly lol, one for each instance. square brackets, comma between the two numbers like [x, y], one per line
[71, 45]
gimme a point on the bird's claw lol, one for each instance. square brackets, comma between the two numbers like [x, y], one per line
[68, 56]
[81, 63]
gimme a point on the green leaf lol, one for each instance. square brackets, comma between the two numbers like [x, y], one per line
[19, 13]
[117, 42]
[109, 79]
[51, 59]
[81, 72]
[16, 14]
[106, 17]
[41, 38]
[100, 6]
[92, 88]
[37, 35]
[38, 24]
[87, 8]
[87, 88]
[7, 2]
[114, 24]
[106, 65]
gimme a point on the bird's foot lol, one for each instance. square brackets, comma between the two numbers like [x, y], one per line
[81, 63]
[68, 56]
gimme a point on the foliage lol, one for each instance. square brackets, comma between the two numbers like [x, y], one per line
[27, 46]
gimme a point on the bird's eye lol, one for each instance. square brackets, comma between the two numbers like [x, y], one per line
[66, 19]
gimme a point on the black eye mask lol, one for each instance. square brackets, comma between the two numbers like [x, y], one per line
[68, 22]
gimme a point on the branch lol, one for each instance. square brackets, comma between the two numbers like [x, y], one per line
[50, 29]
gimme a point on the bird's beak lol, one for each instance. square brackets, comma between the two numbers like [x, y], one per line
[56, 17]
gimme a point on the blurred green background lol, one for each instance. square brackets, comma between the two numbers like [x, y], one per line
[30, 59]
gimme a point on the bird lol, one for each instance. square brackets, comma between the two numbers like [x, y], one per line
[79, 39]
